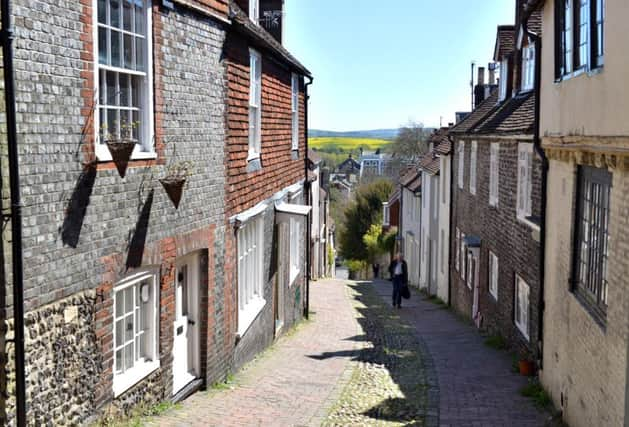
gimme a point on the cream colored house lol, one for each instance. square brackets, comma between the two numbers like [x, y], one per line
[584, 129]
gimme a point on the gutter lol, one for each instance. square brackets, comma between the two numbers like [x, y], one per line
[307, 189]
[537, 144]
[6, 36]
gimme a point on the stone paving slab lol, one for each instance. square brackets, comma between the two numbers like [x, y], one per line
[285, 387]
[476, 384]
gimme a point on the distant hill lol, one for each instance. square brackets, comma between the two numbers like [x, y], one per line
[374, 134]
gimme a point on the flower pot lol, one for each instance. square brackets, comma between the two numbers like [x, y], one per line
[527, 368]
[121, 150]
[174, 188]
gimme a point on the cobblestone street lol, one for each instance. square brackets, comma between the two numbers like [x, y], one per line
[360, 362]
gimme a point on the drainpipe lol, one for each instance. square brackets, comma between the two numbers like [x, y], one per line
[6, 36]
[537, 143]
[309, 202]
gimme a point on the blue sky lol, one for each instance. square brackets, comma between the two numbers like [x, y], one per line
[380, 64]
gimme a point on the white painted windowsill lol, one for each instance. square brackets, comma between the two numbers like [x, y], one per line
[249, 314]
[123, 382]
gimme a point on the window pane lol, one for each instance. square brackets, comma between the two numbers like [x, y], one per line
[127, 15]
[102, 46]
[128, 51]
[128, 330]
[124, 90]
[139, 18]
[136, 88]
[136, 127]
[114, 13]
[129, 356]
[119, 304]
[128, 300]
[139, 54]
[120, 332]
[102, 11]
[111, 131]
[111, 88]
[119, 368]
[116, 50]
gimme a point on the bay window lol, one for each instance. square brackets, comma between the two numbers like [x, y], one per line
[123, 83]
[135, 330]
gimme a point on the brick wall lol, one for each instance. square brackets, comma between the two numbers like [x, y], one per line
[585, 363]
[502, 233]
[85, 227]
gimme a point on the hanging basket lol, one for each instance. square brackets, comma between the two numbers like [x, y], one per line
[174, 188]
[121, 150]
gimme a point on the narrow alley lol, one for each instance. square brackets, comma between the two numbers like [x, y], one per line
[357, 361]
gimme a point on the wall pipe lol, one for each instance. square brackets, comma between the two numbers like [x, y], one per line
[308, 189]
[6, 36]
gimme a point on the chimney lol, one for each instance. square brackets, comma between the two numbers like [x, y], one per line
[481, 76]
[492, 73]
[272, 17]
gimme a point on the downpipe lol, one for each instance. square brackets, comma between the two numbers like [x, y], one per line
[6, 36]
[308, 188]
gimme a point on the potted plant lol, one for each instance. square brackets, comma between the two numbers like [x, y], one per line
[121, 145]
[173, 182]
[527, 367]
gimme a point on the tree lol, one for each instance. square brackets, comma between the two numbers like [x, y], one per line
[363, 211]
[411, 141]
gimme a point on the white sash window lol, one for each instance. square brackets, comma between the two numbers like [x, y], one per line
[250, 272]
[461, 155]
[494, 173]
[522, 306]
[473, 156]
[525, 185]
[295, 110]
[493, 275]
[255, 105]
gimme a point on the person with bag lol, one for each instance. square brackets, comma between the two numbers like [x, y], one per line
[399, 274]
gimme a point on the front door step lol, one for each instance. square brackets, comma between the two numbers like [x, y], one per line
[185, 392]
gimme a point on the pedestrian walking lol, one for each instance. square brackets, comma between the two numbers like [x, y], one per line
[399, 274]
[376, 270]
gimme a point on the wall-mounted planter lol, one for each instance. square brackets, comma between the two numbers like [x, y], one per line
[174, 188]
[121, 151]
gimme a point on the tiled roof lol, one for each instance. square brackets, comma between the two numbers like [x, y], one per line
[430, 163]
[242, 22]
[416, 184]
[505, 41]
[394, 197]
[477, 115]
[441, 142]
[534, 22]
[313, 157]
[409, 177]
[514, 116]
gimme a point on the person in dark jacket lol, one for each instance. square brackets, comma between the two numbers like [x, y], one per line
[399, 274]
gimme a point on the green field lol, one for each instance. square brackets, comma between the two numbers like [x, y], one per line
[342, 144]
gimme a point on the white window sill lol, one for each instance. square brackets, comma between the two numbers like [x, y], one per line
[523, 331]
[249, 314]
[123, 382]
[103, 154]
[495, 295]
[294, 272]
[528, 223]
[253, 156]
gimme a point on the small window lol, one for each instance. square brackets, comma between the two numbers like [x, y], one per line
[504, 79]
[493, 275]
[471, 273]
[295, 111]
[250, 243]
[442, 245]
[255, 105]
[582, 33]
[522, 306]
[385, 214]
[254, 11]
[123, 82]
[494, 173]
[592, 240]
[525, 184]
[473, 155]
[461, 155]
[463, 258]
[135, 330]
[295, 249]
[528, 67]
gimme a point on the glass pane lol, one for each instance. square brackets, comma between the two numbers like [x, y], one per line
[126, 126]
[111, 132]
[102, 11]
[128, 51]
[124, 90]
[136, 125]
[103, 124]
[114, 13]
[139, 18]
[111, 88]
[118, 367]
[115, 48]
[128, 330]
[102, 46]
[120, 332]
[128, 297]
[136, 87]
[139, 54]
[127, 15]
[119, 304]
[128, 356]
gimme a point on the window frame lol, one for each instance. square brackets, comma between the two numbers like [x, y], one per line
[503, 84]
[494, 174]
[473, 169]
[528, 67]
[593, 295]
[457, 252]
[295, 111]
[494, 275]
[141, 368]
[461, 155]
[524, 201]
[386, 220]
[145, 148]
[250, 277]
[522, 324]
[463, 250]
[295, 249]
[255, 91]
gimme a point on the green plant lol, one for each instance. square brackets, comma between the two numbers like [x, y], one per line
[536, 393]
[180, 170]
[496, 341]
[125, 133]
[356, 266]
